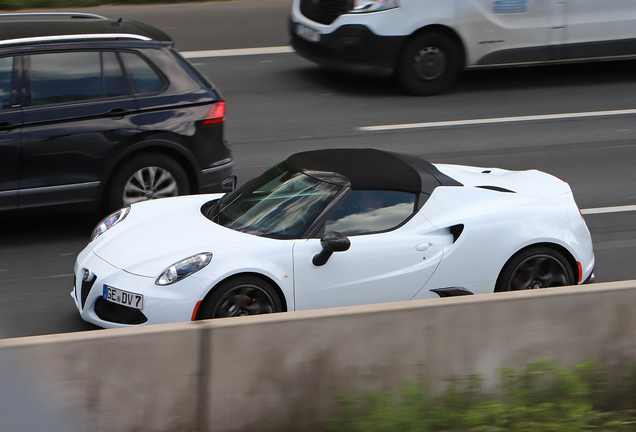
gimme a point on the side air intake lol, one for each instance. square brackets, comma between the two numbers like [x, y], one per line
[456, 231]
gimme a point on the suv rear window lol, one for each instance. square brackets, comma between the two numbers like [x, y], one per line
[65, 77]
[144, 79]
[6, 68]
[75, 77]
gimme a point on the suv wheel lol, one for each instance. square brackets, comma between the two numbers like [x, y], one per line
[144, 177]
[429, 64]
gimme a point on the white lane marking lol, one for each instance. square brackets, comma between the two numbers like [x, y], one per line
[237, 52]
[498, 120]
[602, 210]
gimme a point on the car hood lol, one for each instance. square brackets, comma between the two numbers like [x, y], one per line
[158, 233]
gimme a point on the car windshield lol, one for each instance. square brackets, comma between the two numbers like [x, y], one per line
[280, 203]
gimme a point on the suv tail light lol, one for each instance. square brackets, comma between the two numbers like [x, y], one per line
[216, 113]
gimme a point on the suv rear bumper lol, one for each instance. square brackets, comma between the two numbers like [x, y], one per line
[210, 179]
[351, 48]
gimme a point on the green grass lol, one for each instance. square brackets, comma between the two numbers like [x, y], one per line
[32, 4]
[543, 397]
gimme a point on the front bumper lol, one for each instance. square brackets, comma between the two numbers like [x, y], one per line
[351, 48]
[590, 278]
[172, 303]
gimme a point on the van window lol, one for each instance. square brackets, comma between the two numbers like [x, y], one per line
[65, 77]
[144, 79]
[370, 211]
[6, 69]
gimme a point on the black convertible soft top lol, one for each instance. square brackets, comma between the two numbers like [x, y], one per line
[371, 169]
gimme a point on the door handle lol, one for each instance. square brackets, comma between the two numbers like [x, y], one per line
[423, 246]
[117, 113]
[6, 126]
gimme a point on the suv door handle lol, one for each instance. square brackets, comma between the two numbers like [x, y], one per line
[6, 126]
[117, 113]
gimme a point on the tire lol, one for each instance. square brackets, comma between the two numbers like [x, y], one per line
[534, 268]
[240, 296]
[429, 64]
[146, 176]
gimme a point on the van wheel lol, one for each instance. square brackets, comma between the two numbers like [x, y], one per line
[429, 64]
[144, 177]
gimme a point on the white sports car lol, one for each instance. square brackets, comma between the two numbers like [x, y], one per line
[333, 228]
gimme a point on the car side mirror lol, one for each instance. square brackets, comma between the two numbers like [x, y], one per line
[330, 242]
[229, 184]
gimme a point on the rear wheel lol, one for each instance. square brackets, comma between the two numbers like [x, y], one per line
[429, 64]
[535, 268]
[240, 296]
[144, 177]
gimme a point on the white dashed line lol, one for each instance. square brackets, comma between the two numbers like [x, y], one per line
[237, 52]
[603, 210]
[498, 120]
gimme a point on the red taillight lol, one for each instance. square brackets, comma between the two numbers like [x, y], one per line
[216, 113]
[578, 264]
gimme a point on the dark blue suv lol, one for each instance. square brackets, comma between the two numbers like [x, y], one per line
[102, 113]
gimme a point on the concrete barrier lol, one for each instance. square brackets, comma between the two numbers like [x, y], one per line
[283, 371]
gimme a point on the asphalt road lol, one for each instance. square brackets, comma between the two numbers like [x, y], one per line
[279, 104]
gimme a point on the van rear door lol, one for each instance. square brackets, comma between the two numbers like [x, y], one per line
[604, 28]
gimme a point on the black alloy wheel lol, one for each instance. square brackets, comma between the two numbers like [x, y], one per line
[429, 64]
[240, 296]
[144, 177]
[536, 268]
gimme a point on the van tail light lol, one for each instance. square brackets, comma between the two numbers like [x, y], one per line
[216, 113]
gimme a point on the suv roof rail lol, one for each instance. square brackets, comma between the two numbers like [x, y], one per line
[75, 37]
[53, 14]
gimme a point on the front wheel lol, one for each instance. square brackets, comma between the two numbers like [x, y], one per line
[240, 296]
[429, 64]
[534, 268]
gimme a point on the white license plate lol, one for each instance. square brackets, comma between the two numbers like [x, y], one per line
[307, 33]
[124, 298]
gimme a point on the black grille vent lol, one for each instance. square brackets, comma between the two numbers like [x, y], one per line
[325, 11]
[496, 189]
[116, 313]
[86, 289]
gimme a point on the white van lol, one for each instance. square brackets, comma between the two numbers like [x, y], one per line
[426, 43]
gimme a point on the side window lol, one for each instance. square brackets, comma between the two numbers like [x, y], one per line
[114, 81]
[65, 77]
[6, 69]
[144, 79]
[370, 211]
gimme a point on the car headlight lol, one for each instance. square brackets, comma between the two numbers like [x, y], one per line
[184, 268]
[108, 222]
[373, 5]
